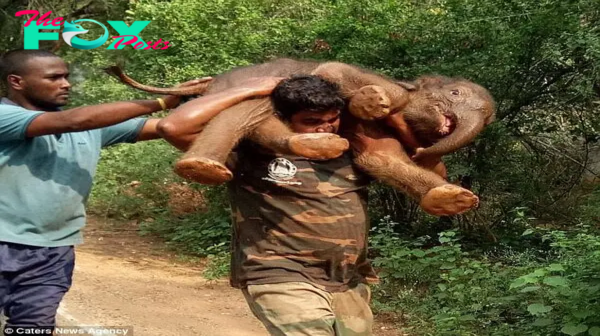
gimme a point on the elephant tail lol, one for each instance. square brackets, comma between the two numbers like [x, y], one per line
[195, 90]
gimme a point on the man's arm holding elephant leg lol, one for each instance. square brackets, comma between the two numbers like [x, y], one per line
[276, 136]
[182, 126]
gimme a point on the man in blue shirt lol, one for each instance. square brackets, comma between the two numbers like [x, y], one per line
[48, 158]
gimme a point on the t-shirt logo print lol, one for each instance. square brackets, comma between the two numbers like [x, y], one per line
[281, 170]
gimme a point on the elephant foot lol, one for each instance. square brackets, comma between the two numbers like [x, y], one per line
[448, 200]
[370, 102]
[318, 146]
[203, 170]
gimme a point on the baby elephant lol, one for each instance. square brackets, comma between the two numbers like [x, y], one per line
[432, 116]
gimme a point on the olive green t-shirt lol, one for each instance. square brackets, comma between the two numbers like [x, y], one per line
[298, 220]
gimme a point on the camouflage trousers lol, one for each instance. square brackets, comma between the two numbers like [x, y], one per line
[299, 308]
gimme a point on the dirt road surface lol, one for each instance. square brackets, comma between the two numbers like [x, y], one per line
[122, 279]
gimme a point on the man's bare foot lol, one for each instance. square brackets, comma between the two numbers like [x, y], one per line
[203, 170]
[448, 200]
[370, 102]
[318, 146]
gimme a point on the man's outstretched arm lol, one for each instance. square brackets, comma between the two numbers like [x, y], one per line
[97, 116]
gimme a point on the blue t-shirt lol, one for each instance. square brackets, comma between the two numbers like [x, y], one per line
[46, 180]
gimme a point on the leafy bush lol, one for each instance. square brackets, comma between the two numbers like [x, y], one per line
[147, 164]
[445, 290]
[565, 295]
[201, 233]
[217, 266]
[469, 275]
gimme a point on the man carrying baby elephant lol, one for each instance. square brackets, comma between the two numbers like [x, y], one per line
[299, 249]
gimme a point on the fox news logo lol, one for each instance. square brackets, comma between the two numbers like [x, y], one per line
[127, 35]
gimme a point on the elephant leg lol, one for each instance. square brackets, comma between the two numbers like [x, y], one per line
[275, 135]
[440, 169]
[407, 138]
[436, 166]
[370, 102]
[384, 158]
[204, 162]
[376, 95]
[435, 195]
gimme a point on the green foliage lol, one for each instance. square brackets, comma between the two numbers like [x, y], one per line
[498, 273]
[217, 266]
[201, 233]
[568, 291]
[590, 211]
[452, 291]
[538, 59]
[113, 194]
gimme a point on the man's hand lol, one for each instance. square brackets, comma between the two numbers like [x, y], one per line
[182, 126]
[260, 86]
[174, 101]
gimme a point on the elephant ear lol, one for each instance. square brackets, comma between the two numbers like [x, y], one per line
[408, 86]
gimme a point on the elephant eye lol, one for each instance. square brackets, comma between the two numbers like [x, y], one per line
[455, 92]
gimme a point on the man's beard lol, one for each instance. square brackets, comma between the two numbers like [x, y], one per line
[45, 104]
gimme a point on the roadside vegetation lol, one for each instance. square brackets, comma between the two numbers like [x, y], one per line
[527, 262]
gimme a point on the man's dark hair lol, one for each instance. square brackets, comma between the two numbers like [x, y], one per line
[14, 62]
[306, 92]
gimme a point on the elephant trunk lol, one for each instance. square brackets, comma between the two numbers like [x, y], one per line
[468, 125]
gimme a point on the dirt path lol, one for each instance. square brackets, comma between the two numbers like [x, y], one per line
[122, 279]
